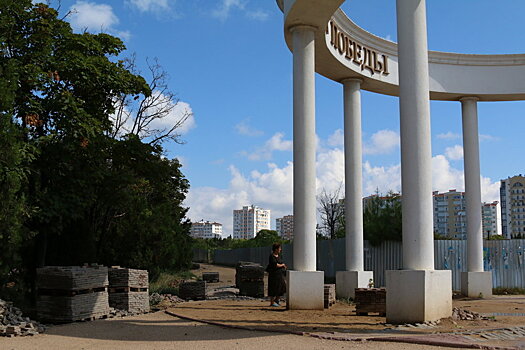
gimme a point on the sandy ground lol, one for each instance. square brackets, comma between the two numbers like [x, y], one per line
[159, 331]
[162, 331]
[340, 317]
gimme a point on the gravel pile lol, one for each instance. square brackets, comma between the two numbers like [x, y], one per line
[461, 314]
[156, 299]
[12, 323]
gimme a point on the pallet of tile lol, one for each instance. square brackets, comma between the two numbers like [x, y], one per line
[254, 289]
[67, 308]
[71, 277]
[248, 272]
[124, 277]
[192, 290]
[370, 300]
[134, 302]
[329, 295]
[210, 277]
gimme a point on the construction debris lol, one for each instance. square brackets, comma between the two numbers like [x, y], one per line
[13, 323]
[461, 314]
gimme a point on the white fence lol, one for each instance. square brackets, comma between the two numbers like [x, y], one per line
[504, 258]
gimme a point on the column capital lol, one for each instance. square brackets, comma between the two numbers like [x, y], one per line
[469, 98]
[352, 80]
[304, 27]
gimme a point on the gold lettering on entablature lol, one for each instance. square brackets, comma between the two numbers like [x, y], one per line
[360, 55]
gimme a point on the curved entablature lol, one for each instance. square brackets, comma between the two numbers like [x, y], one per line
[345, 50]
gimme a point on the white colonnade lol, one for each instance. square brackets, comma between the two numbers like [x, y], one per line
[305, 284]
[354, 276]
[474, 282]
[417, 293]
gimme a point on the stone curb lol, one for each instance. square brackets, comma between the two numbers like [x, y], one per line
[422, 340]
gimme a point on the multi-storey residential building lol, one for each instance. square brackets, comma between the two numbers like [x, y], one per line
[512, 195]
[249, 220]
[206, 229]
[450, 214]
[284, 226]
[490, 219]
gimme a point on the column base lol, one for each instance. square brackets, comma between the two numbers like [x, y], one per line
[414, 296]
[347, 281]
[305, 290]
[476, 284]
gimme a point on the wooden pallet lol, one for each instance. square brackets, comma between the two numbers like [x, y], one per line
[370, 300]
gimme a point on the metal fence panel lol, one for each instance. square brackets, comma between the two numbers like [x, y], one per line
[504, 258]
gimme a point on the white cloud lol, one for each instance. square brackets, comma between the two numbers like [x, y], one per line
[273, 189]
[337, 139]
[156, 6]
[275, 143]
[454, 153]
[95, 17]
[223, 11]
[448, 136]
[382, 142]
[258, 15]
[243, 128]
[484, 137]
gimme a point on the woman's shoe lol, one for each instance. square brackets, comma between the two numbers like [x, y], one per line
[275, 305]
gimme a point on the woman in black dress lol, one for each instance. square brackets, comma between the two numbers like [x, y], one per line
[276, 269]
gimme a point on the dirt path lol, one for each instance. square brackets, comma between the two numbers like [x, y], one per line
[159, 331]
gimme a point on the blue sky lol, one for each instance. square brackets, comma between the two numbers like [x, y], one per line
[229, 65]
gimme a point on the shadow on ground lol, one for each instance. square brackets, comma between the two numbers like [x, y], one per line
[144, 329]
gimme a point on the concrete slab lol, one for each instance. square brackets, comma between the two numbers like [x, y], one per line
[305, 290]
[414, 296]
[347, 281]
[476, 284]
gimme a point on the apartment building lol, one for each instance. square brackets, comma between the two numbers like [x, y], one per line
[249, 220]
[512, 199]
[206, 229]
[490, 219]
[284, 226]
[450, 214]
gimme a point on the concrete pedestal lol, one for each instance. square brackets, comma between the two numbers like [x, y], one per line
[476, 284]
[347, 281]
[418, 295]
[305, 290]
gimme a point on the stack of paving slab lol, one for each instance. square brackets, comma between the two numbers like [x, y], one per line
[210, 277]
[128, 289]
[72, 293]
[192, 290]
[249, 278]
[370, 300]
[329, 295]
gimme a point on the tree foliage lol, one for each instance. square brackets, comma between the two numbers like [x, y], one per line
[71, 193]
[382, 220]
[264, 238]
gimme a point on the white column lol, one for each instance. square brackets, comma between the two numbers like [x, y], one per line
[469, 111]
[416, 158]
[304, 187]
[353, 175]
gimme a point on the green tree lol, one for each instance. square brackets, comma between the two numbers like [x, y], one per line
[382, 218]
[83, 195]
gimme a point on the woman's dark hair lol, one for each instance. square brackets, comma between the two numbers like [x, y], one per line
[276, 246]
